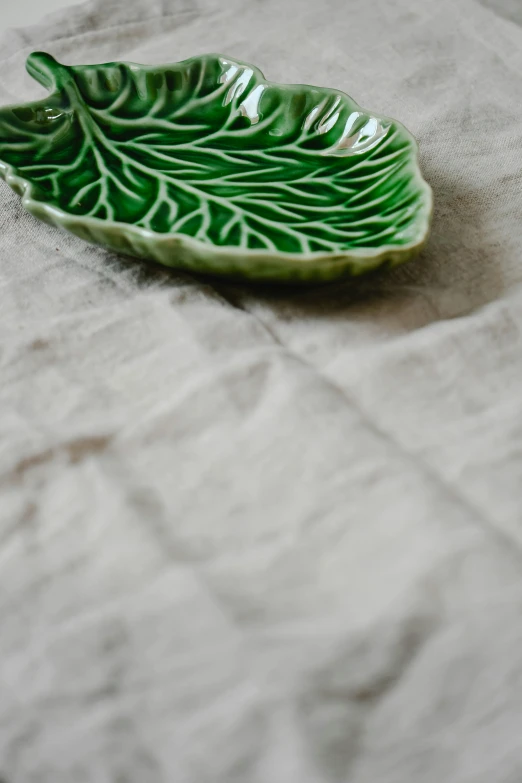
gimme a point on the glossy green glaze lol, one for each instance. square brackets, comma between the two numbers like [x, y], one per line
[205, 165]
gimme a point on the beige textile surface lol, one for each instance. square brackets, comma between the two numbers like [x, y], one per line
[265, 536]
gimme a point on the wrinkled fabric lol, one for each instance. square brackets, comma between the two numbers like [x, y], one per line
[253, 534]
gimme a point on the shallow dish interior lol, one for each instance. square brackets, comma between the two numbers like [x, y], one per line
[205, 160]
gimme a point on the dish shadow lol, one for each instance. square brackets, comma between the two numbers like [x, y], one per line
[458, 272]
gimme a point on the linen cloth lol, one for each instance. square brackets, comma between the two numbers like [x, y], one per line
[254, 535]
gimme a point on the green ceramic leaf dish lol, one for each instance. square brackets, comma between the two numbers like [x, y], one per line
[204, 165]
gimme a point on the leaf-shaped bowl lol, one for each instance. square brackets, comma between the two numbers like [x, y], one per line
[205, 165]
